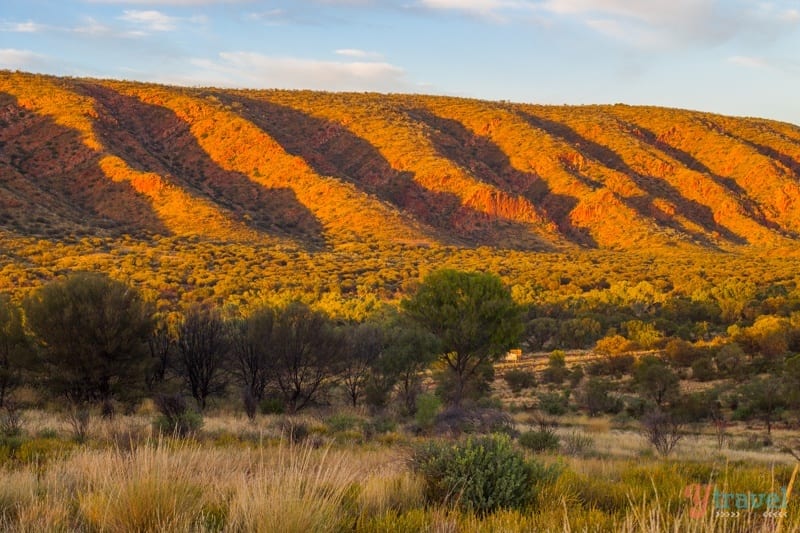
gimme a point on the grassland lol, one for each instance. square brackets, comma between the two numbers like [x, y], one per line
[237, 475]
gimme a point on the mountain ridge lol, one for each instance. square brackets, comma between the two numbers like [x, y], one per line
[318, 170]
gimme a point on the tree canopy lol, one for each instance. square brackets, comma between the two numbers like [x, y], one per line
[474, 317]
[92, 332]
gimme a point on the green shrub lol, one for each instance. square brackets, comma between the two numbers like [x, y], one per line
[428, 406]
[518, 380]
[539, 441]
[703, 369]
[554, 403]
[291, 429]
[271, 406]
[176, 418]
[342, 422]
[185, 424]
[480, 474]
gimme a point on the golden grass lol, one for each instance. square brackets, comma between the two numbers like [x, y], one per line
[203, 485]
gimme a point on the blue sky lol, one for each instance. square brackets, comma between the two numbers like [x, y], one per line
[739, 57]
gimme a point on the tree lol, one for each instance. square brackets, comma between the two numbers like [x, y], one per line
[763, 398]
[202, 349]
[13, 347]
[92, 333]
[161, 343]
[655, 380]
[596, 398]
[662, 430]
[474, 317]
[408, 350]
[306, 350]
[251, 340]
[556, 371]
[363, 344]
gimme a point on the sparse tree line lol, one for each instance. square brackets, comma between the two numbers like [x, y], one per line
[91, 340]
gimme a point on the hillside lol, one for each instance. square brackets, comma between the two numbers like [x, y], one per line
[321, 169]
[91, 170]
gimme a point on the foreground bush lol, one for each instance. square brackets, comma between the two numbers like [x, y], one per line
[539, 441]
[481, 474]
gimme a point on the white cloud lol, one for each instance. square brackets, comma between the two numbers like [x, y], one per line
[12, 58]
[93, 27]
[749, 61]
[22, 27]
[678, 22]
[180, 3]
[249, 69]
[354, 52]
[658, 12]
[494, 10]
[149, 20]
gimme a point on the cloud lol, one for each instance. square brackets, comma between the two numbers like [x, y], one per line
[677, 22]
[354, 52]
[12, 58]
[149, 20]
[748, 61]
[22, 27]
[179, 3]
[250, 69]
[494, 10]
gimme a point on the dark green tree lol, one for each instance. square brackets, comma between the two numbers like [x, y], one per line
[13, 347]
[763, 398]
[92, 333]
[408, 349]
[474, 317]
[655, 380]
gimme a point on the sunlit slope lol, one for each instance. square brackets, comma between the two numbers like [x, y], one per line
[317, 170]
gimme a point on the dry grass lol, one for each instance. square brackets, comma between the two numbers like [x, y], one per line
[214, 484]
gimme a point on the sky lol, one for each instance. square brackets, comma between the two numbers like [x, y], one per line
[737, 57]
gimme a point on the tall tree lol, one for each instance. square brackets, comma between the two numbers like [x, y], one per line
[474, 317]
[92, 332]
[407, 351]
[362, 348]
[251, 340]
[306, 350]
[202, 350]
[161, 343]
[13, 347]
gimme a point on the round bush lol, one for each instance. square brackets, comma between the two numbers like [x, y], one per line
[480, 474]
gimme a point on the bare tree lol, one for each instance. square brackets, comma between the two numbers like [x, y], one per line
[161, 343]
[251, 340]
[662, 430]
[362, 348]
[306, 348]
[202, 349]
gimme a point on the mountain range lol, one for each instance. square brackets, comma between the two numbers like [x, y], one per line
[317, 170]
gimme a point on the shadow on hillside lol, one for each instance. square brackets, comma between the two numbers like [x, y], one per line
[767, 151]
[488, 163]
[656, 188]
[57, 185]
[331, 149]
[750, 207]
[152, 138]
